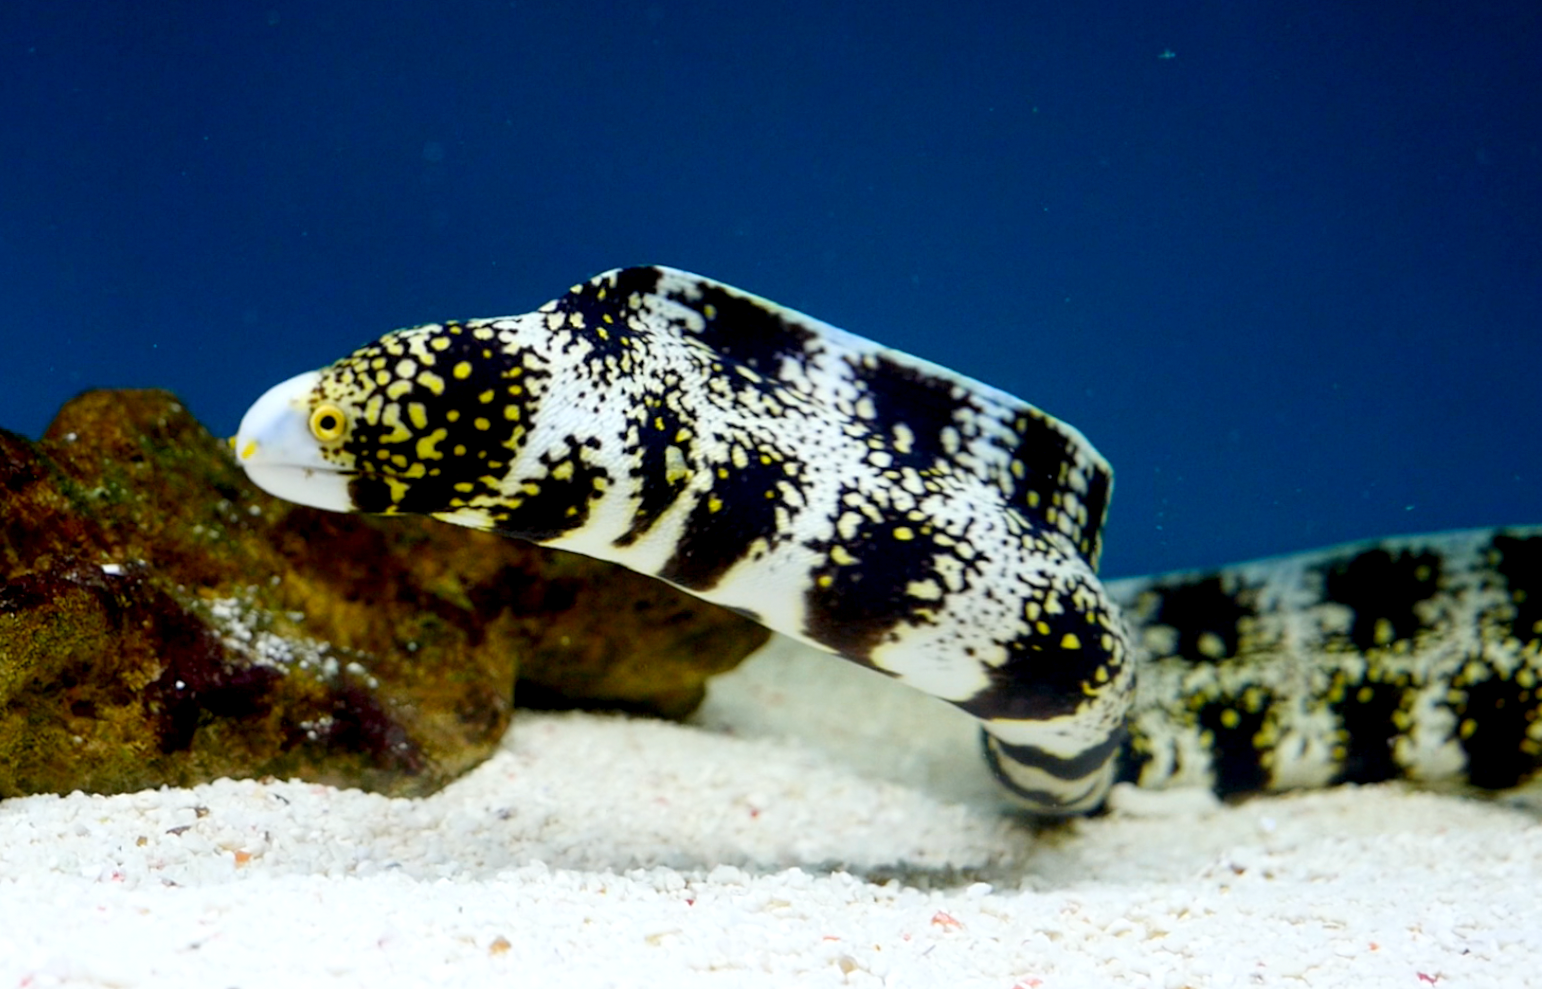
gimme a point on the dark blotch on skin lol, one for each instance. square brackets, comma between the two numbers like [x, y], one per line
[642, 280]
[1520, 564]
[1235, 757]
[369, 494]
[1376, 586]
[923, 403]
[607, 348]
[1496, 749]
[1040, 679]
[1132, 762]
[1043, 449]
[657, 494]
[864, 601]
[1203, 607]
[425, 495]
[1369, 732]
[712, 542]
[559, 506]
[744, 330]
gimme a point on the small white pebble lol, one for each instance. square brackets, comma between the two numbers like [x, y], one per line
[112, 569]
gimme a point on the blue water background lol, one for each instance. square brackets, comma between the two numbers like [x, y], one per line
[1281, 262]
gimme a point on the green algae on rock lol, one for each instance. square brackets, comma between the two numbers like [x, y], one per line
[164, 622]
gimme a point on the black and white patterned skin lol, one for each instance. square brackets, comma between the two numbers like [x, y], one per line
[862, 500]
[930, 527]
[1418, 658]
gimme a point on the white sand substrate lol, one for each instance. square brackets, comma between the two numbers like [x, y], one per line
[815, 826]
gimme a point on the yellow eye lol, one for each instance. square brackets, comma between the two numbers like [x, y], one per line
[328, 423]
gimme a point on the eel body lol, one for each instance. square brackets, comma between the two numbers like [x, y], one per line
[878, 507]
[1418, 657]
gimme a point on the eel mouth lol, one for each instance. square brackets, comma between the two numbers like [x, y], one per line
[275, 447]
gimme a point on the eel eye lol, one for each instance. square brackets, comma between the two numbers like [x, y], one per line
[328, 423]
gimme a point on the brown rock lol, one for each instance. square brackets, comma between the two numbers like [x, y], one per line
[163, 621]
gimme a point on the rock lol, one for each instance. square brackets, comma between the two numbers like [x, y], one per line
[162, 621]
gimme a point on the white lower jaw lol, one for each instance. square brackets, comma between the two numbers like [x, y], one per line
[303, 485]
[275, 447]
